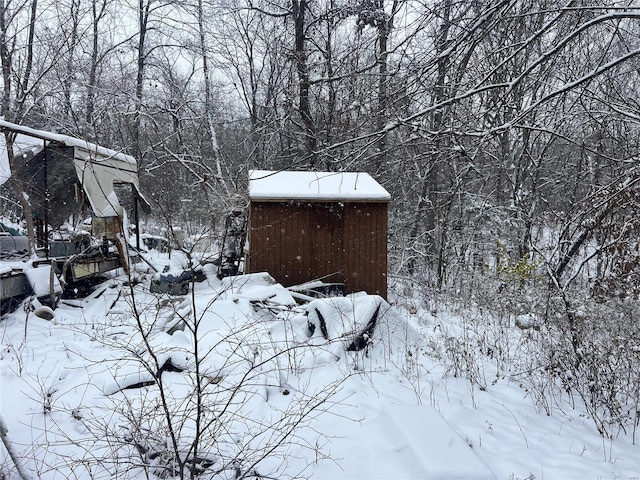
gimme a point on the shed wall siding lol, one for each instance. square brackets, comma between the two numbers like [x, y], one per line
[366, 241]
[335, 242]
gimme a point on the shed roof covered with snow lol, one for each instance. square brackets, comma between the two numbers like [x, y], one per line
[306, 226]
[268, 185]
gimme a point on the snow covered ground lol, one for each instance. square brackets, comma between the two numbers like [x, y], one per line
[116, 386]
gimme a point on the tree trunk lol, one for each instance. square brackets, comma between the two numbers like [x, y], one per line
[208, 104]
[304, 106]
[426, 213]
[96, 16]
[6, 57]
[385, 25]
[143, 21]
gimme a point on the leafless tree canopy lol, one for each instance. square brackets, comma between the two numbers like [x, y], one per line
[488, 121]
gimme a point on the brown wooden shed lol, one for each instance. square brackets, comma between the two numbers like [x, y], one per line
[306, 226]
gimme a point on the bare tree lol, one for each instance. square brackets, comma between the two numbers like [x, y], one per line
[15, 99]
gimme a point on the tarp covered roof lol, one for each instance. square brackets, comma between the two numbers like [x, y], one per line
[97, 167]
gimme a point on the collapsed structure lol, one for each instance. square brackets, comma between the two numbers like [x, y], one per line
[61, 175]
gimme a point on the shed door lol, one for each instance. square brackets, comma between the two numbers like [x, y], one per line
[326, 223]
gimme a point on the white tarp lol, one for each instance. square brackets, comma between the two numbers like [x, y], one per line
[22, 144]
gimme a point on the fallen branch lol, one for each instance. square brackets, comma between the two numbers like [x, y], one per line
[7, 444]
